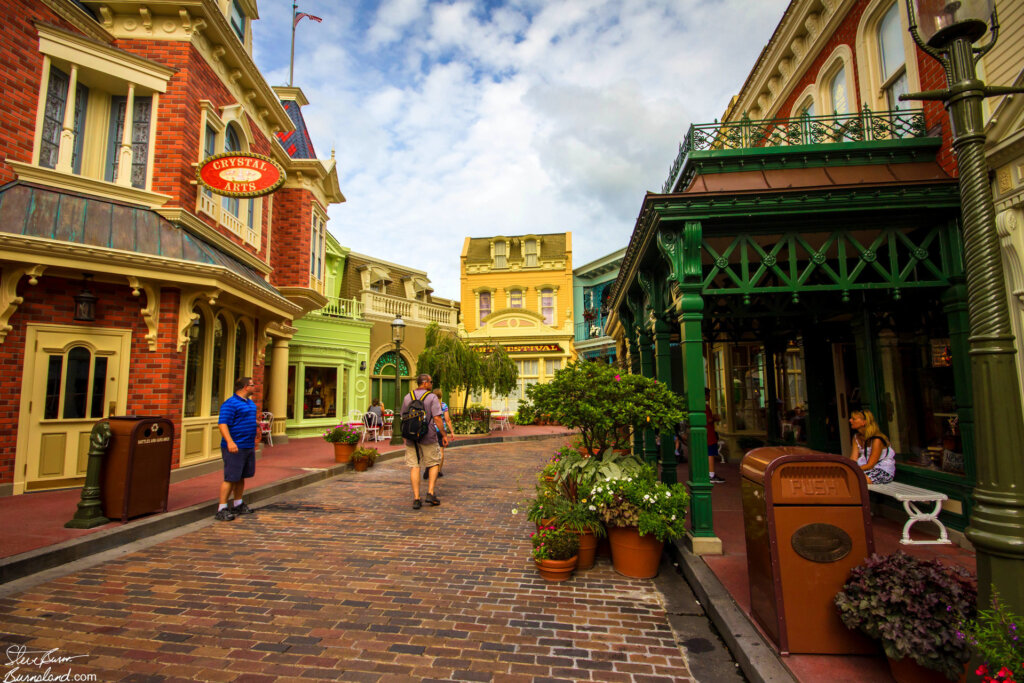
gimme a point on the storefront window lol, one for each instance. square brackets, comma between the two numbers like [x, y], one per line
[321, 390]
[217, 381]
[790, 384]
[241, 346]
[928, 429]
[291, 392]
[194, 365]
[747, 386]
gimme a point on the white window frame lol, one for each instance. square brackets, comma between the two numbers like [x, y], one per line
[841, 58]
[869, 60]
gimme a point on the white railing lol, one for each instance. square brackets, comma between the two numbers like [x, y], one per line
[384, 304]
[212, 207]
[342, 308]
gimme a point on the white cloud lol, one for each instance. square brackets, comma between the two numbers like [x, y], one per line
[456, 118]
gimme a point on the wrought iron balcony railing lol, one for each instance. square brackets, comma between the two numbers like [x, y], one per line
[862, 126]
[590, 329]
[342, 308]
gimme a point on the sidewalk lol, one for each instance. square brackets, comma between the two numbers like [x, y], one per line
[33, 537]
[721, 584]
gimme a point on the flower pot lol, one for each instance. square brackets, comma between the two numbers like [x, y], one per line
[906, 670]
[361, 464]
[588, 550]
[343, 451]
[369, 462]
[634, 555]
[556, 570]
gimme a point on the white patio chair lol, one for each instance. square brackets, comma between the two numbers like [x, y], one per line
[371, 427]
[265, 424]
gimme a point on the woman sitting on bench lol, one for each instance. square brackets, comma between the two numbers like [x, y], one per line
[871, 448]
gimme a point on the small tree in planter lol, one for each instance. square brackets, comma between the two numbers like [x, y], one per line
[603, 404]
[914, 607]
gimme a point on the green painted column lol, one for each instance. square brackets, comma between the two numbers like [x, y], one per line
[643, 336]
[691, 310]
[663, 367]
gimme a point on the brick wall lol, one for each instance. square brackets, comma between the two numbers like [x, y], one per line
[293, 220]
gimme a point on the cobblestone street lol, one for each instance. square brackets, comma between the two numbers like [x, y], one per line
[345, 581]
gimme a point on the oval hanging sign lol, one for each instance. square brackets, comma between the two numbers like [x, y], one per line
[240, 174]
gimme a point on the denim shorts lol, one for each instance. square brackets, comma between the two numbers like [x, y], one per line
[240, 465]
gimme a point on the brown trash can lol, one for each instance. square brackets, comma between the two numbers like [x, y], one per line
[136, 473]
[807, 523]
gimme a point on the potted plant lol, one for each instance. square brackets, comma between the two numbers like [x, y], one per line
[344, 437]
[603, 404]
[996, 638]
[362, 457]
[914, 607]
[555, 552]
[641, 513]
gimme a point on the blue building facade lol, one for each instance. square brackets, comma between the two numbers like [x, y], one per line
[590, 289]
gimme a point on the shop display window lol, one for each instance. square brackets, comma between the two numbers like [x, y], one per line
[321, 391]
[746, 382]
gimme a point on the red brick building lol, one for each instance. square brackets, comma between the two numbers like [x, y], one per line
[109, 108]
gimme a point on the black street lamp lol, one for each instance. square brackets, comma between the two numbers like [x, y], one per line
[398, 336]
[946, 31]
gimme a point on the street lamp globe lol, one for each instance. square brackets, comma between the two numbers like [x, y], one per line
[942, 21]
[398, 330]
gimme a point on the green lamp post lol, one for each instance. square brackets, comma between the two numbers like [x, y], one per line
[398, 336]
[946, 31]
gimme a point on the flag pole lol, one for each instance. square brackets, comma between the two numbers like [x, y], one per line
[291, 62]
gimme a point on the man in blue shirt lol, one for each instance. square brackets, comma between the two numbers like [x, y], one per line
[240, 433]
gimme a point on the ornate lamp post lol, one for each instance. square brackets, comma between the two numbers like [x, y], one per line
[946, 32]
[398, 336]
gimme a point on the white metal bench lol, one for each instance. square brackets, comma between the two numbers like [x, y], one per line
[910, 496]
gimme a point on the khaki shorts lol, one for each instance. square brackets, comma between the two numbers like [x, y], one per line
[430, 455]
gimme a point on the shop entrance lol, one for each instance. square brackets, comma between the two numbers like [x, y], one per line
[72, 379]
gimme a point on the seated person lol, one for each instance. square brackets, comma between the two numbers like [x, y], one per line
[871, 449]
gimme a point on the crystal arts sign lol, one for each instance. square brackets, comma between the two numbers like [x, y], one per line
[240, 174]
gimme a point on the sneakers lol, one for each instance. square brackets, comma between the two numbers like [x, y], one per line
[432, 499]
[242, 509]
[417, 504]
[717, 480]
[224, 515]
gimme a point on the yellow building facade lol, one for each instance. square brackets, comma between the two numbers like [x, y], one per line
[517, 291]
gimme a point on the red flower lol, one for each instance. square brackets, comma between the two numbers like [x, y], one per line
[981, 670]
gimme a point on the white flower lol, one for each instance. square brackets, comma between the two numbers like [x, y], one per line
[667, 494]
[592, 508]
[673, 518]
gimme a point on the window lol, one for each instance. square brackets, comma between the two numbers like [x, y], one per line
[485, 304]
[530, 253]
[209, 149]
[217, 383]
[515, 298]
[551, 367]
[139, 139]
[806, 108]
[84, 385]
[231, 144]
[547, 306]
[194, 364]
[837, 92]
[527, 375]
[892, 60]
[241, 352]
[241, 217]
[316, 249]
[53, 120]
[237, 20]
[500, 257]
[321, 391]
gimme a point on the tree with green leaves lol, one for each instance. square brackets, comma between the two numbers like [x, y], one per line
[455, 365]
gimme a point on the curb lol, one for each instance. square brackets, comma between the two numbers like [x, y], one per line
[756, 657]
[41, 559]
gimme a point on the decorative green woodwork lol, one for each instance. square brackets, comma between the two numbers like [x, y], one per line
[643, 340]
[841, 261]
[388, 358]
[810, 131]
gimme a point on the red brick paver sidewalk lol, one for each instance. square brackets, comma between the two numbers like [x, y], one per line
[344, 581]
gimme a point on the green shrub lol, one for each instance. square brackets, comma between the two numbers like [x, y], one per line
[552, 543]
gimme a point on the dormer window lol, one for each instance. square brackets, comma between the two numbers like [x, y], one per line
[237, 20]
[500, 255]
[530, 253]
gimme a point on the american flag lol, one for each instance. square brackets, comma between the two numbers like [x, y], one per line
[300, 15]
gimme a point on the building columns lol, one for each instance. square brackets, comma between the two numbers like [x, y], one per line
[278, 398]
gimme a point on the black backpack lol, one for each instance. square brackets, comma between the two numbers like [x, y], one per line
[415, 423]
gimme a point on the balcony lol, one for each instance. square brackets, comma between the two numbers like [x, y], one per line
[865, 126]
[388, 306]
[349, 309]
[592, 329]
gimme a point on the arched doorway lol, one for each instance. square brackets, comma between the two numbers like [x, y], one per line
[382, 379]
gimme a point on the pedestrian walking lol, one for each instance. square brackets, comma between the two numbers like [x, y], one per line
[446, 418]
[712, 439]
[239, 435]
[426, 451]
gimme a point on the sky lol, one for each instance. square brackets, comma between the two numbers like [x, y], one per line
[458, 118]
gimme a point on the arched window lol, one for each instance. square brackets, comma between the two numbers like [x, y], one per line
[219, 361]
[892, 60]
[838, 93]
[194, 365]
[231, 144]
[241, 351]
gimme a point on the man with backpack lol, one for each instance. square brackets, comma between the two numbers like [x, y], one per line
[421, 412]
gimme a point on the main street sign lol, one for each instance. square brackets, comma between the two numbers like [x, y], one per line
[240, 174]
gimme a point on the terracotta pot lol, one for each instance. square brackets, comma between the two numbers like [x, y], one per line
[623, 451]
[556, 570]
[906, 670]
[588, 549]
[343, 451]
[634, 555]
[369, 462]
[360, 464]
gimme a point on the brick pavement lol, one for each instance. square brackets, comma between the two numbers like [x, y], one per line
[344, 581]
